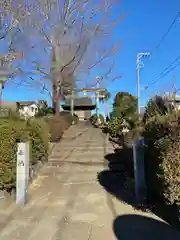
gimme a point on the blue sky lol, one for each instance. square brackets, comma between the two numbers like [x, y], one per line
[141, 30]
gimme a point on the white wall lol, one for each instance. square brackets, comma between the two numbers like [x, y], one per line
[28, 111]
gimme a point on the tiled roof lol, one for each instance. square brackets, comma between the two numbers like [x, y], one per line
[79, 101]
[26, 103]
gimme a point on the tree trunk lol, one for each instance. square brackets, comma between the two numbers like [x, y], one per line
[57, 109]
[1, 88]
[55, 103]
[54, 97]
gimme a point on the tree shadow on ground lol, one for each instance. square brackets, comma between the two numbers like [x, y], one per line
[118, 180]
[127, 227]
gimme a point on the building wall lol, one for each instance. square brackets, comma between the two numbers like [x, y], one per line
[28, 111]
[177, 105]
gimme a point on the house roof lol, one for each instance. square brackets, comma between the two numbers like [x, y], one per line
[171, 97]
[26, 103]
[142, 110]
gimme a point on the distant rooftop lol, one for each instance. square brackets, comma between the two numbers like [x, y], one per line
[80, 103]
[171, 97]
[142, 110]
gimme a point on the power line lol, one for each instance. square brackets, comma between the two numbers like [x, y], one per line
[170, 65]
[165, 72]
[161, 41]
[168, 31]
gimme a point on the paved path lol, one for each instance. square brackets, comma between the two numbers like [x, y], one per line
[66, 202]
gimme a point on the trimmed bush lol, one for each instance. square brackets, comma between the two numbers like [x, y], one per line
[114, 127]
[156, 106]
[39, 137]
[75, 119]
[124, 130]
[16, 130]
[162, 160]
[50, 111]
[93, 119]
[170, 168]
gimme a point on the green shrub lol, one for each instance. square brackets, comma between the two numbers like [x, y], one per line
[170, 177]
[16, 130]
[162, 137]
[39, 137]
[75, 119]
[156, 106]
[8, 148]
[124, 129]
[114, 127]
[50, 111]
[93, 119]
[125, 104]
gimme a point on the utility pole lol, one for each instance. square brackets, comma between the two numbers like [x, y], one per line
[138, 155]
[1, 89]
[174, 91]
[139, 66]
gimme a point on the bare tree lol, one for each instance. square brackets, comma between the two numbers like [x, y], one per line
[11, 15]
[70, 39]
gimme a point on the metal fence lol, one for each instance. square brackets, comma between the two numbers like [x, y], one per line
[6, 112]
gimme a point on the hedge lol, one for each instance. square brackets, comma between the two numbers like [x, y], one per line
[93, 119]
[13, 131]
[162, 158]
[39, 132]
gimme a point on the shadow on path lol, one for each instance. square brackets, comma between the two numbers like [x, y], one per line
[127, 227]
[119, 181]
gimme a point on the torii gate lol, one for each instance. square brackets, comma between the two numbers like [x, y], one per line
[85, 90]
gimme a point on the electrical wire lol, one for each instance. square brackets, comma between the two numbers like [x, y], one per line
[168, 31]
[165, 72]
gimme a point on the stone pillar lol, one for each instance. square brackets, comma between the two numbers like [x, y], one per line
[22, 173]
